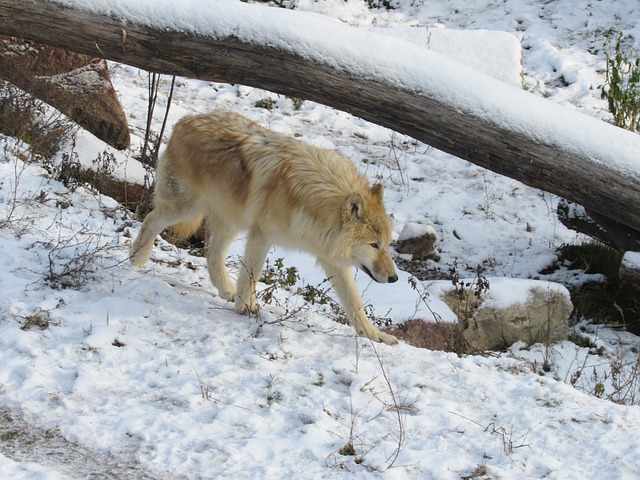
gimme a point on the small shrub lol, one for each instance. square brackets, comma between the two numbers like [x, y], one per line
[267, 103]
[296, 102]
[75, 260]
[32, 121]
[70, 172]
[277, 276]
[40, 319]
[319, 295]
[133, 196]
[151, 145]
[147, 154]
[316, 294]
[608, 300]
[467, 294]
[621, 88]
[17, 110]
[274, 395]
[379, 4]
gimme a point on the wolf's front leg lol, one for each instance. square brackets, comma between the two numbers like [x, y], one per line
[220, 237]
[349, 295]
[250, 271]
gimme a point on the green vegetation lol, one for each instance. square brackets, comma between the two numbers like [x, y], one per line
[621, 88]
[604, 298]
[26, 118]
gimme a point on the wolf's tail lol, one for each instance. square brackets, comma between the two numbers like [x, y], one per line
[183, 230]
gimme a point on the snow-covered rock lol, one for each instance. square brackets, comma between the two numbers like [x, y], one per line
[418, 240]
[503, 311]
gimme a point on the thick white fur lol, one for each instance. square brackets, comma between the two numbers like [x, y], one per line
[284, 192]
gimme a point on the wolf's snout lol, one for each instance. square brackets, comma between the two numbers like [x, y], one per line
[392, 279]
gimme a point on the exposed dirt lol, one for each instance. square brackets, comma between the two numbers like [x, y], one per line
[24, 442]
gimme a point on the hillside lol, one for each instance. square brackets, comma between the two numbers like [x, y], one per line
[115, 372]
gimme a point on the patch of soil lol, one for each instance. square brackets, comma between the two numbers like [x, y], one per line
[24, 442]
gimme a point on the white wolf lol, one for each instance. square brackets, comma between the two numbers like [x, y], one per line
[284, 192]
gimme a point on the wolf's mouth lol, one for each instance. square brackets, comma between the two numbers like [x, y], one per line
[368, 272]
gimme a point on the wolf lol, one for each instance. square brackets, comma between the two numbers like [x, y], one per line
[242, 177]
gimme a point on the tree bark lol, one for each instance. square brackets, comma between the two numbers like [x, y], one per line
[70, 82]
[509, 151]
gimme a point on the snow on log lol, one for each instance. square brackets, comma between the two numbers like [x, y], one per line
[385, 80]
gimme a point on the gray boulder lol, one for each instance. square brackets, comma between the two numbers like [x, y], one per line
[511, 310]
[419, 240]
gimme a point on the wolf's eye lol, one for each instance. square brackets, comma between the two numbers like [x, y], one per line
[374, 245]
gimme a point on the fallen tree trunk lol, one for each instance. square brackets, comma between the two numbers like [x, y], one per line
[598, 227]
[473, 117]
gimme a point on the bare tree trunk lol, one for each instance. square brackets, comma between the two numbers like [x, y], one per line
[480, 139]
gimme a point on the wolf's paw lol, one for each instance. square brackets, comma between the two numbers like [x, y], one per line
[386, 338]
[380, 337]
[138, 260]
[228, 294]
[245, 308]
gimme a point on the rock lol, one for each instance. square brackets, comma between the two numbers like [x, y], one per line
[75, 84]
[511, 310]
[418, 240]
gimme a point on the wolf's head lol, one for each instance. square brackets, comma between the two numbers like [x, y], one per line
[370, 234]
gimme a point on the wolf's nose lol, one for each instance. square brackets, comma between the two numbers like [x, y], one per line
[392, 279]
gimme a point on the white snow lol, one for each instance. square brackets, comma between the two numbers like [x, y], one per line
[150, 371]
[26, 471]
[498, 54]
[631, 259]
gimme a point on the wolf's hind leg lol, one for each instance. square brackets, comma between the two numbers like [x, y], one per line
[220, 237]
[250, 271]
[154, 223]
[349, 295]
[141, 249]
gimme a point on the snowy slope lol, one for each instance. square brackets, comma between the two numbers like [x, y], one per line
[148, 374]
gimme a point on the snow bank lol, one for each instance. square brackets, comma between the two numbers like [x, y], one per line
[149, 369]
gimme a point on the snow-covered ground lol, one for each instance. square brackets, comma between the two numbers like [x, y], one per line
[148, 374]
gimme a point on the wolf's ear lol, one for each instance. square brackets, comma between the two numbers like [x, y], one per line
[377, 190]
[355, 207]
